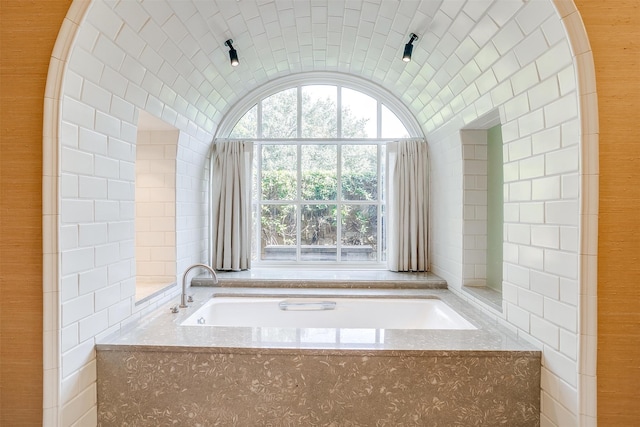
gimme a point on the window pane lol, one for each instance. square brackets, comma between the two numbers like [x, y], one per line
[359, 172]
[319, 111]
[255, 241]
[279, 115]
[278, 232]
[255, 182]
[298, 215]
[247, 126]
[279, 172]
[359, 232]
[383, 254]
[359, 115]
[383, 172]
[392, 127]
[318, 234]
[319, 172]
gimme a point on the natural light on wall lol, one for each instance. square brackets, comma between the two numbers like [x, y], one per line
[318, 175]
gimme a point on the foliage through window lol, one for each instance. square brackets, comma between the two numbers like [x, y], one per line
[319, 174]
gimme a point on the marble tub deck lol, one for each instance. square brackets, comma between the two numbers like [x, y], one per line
[310, 278]
[156, 371]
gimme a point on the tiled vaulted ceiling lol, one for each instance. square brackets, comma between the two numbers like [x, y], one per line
[459, 41]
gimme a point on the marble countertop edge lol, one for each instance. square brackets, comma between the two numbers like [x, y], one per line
[351, 351]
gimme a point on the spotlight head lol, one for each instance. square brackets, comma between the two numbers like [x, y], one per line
[408, 48]
[233, 54]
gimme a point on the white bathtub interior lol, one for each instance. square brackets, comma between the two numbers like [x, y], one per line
[327, 312]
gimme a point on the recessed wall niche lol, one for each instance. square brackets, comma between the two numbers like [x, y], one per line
[483, 209]
[155, 202]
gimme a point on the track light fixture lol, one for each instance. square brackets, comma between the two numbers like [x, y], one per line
[408, 48]
[233, 54]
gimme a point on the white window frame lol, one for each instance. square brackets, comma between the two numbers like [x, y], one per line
[379, 94]
[319, 78]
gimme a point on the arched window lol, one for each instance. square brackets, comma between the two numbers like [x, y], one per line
[319, 173]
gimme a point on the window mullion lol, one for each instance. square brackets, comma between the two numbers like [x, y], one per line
[339, 172]
[258, 214]
[299, 113]
[379, 120]
[299, 203]
[339, 203]
[379, 205]
[299, 175]
[259, 120]
[259, 196]
[339, 112]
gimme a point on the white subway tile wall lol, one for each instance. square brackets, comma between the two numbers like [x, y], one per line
[532, 125]
[474, 158]
[504, 56]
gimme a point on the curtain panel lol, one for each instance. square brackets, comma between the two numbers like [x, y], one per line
[407, 206]
[231, 205]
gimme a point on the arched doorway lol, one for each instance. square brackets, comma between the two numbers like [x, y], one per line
[586, 95]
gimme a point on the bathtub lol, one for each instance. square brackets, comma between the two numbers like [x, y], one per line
[334, 358]
[323, 312]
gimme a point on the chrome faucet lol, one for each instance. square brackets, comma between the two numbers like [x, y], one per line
[183, 300]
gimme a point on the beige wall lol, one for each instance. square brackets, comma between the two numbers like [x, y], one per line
[614, 30]
[27, 33]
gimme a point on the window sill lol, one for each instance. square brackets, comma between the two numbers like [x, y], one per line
[327, 278]
[487, 295]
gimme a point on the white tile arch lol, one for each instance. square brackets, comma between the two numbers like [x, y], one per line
[167, 58]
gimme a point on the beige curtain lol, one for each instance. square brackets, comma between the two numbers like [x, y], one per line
[231, 205]
[407, 206]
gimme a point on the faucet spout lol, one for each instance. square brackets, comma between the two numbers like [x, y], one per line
[183, 299]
